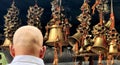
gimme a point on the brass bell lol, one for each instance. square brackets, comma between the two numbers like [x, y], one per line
[75, 38]
[55, 35]
[113, 47]
[85, 46]
[99, 45]
[6, 43]
[86, 43]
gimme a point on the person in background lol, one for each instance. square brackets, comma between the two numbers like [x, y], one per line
[27, 47]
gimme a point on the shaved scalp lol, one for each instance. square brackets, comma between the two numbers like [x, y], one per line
[27, 38]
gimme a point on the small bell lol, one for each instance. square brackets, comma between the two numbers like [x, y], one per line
[113, 47]
[75, 38]
[99, 45]
[6, 43]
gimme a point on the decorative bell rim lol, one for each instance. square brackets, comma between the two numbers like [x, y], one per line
[97, 49]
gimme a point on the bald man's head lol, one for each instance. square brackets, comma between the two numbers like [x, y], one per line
[27, 40]
[28, 34]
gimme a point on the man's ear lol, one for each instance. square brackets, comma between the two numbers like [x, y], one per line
[12, 51]
[42, 52]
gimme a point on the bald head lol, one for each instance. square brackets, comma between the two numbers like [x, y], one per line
[27, 39]
[28, 34]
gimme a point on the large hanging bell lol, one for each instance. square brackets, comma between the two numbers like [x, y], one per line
[75, 38]
[113, 49]
[55, 35]
[99, 45]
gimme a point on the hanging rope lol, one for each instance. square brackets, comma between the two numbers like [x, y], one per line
[55, 62]
[94, 6]
[101, 18]
[112, 17]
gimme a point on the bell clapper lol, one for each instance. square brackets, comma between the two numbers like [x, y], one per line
[110, 59]
[55, 62]
[100, 58]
